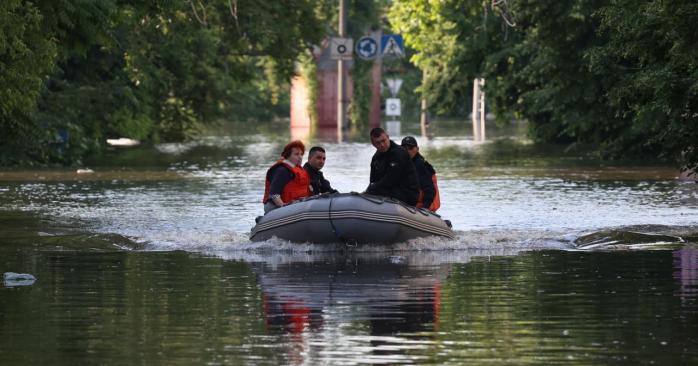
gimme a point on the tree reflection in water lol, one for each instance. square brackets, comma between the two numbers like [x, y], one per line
[383, 304]
[686, 272]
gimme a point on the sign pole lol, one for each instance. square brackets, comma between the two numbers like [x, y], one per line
[482, 110]
[341, 80]
[423, 122]
[476, 109]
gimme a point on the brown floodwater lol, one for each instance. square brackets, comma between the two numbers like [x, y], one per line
[145, 259]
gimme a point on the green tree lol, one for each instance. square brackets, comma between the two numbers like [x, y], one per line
[156, 70]
[26, 56]
[450, 40]
[650, 63]
[618, 75]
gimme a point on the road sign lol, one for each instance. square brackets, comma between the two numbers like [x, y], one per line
[393, 128]
[367, 48]
[340, 48]
[394, 86]
[392, 45]
[392, 106]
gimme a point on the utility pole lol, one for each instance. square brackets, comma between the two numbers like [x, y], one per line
[423, 118]
[341, 79]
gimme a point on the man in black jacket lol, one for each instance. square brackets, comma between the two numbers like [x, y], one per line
[392, 171]
[316, 161]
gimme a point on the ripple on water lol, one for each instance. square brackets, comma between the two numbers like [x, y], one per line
[203, 196]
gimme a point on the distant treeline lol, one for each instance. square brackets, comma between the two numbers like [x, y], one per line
[76, 72]
[620, 75]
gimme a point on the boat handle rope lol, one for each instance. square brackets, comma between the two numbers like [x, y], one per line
[378, 201]
[410, 208]
[382, 200]
[336, 232]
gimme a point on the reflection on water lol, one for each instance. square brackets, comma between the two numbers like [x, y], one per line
[686, 272]
[177, 308]
[391, 301]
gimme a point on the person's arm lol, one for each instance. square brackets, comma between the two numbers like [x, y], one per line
[325, 186]
[394, 171]
[425, 183]
[314, 186]
[372, 177]
[280, 177]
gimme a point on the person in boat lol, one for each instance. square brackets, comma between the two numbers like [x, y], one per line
[315, 163]
[392, 171]
[286, 180]
[428, 188]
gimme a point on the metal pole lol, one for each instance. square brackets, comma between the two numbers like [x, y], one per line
[341, 98]
[423, 111]
[377, 75]
[476, 104]
[482, 111]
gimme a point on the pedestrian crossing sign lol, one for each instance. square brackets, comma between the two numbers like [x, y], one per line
[392, 45]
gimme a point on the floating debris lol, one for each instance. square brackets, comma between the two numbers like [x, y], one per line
[12, 279]
[626, 239]
[122, 141]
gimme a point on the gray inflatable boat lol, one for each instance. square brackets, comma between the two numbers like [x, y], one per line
[349, 218]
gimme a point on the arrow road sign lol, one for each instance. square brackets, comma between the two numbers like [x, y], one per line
[340, 48]
[391, 45]
[367, 48]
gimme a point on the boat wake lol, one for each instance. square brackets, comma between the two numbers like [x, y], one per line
[234, 245]
[237, 246]
[638, 237]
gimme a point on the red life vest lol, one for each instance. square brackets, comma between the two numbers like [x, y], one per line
[436, 203]
[296, 188]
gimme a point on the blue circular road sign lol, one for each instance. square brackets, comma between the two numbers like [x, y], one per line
[367, 48]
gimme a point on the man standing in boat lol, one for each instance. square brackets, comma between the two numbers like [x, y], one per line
[286, 180]
[392, 171]
[428, 189]
[316, 161]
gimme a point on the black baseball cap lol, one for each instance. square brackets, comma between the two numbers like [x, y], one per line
[409, 141]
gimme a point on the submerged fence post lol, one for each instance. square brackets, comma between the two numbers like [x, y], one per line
[478, 115]
[423, 117]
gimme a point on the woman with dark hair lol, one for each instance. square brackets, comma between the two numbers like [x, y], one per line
[286, 180]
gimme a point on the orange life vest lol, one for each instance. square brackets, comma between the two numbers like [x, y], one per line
[436, 203]
[296, 188]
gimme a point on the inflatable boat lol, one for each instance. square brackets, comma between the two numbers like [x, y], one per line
[351, 218]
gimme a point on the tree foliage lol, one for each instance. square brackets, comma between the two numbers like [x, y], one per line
[75, 72]
[650, 64]
[620, 75]
[26, 56]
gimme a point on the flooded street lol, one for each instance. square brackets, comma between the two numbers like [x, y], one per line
[559, 259]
